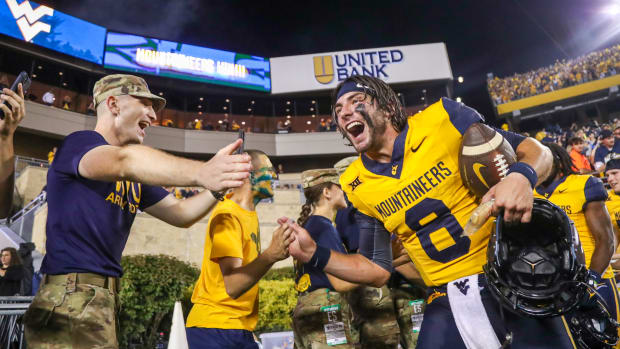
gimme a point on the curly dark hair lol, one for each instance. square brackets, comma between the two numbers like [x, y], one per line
[562, 162]
[379, 91]
[15, 258]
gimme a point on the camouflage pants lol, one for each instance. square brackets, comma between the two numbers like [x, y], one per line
[408, 301]
[72, 315]
[309, 319]
[374, 317]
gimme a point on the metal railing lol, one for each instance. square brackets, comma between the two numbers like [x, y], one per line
[22, 221]
[11, 328]
[21, 162]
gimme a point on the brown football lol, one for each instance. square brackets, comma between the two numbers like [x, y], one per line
[484, 158]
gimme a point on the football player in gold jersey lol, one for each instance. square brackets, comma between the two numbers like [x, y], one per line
[406, 181]
[583, 197]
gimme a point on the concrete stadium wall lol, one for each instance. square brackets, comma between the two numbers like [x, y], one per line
[59, 123]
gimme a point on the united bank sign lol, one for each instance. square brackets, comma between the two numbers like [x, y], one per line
[321, 71]
[341, 66]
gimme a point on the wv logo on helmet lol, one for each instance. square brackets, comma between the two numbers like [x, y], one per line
[28, 19]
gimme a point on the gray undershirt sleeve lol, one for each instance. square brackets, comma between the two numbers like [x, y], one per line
[375, 242]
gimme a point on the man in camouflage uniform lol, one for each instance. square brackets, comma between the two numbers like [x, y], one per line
[95, 187]
[409, 304]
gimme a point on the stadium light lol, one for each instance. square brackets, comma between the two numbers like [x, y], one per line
[612, 9]
[249, 109]
[200, 107]
[219, 121]
[201, 99]
[224, 108]
[252, 102]
[313, 102]
[242, 122]
[227, 100]
[34, 75]
[40, 67]
[314, 115]
[458, 99]
[199, 113]
[311, 109]
[309, 122]
[288, 116]
[161, 93]
[460, 79]
[64, 84]
[288, 102]
[60, 73]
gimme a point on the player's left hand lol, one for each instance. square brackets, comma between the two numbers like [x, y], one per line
[13, 106]
[515, 196]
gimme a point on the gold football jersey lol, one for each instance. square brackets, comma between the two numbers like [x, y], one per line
[572, 193]
[420, 196]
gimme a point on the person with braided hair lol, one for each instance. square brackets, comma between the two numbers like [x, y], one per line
[320, 318]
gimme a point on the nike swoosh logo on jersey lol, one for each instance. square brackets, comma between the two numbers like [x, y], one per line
[413, 150]
[561, 191]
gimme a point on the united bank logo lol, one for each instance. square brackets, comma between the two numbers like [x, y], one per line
[323, 69]
[28, 19]
[342, 65]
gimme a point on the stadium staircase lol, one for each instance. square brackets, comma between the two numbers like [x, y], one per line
[30, 179]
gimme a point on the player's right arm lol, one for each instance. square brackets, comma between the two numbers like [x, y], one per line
[139, 163]
[372, 266]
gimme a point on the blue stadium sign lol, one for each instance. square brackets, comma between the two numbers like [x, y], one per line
[137, 54]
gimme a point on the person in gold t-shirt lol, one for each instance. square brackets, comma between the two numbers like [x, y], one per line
[225, 298]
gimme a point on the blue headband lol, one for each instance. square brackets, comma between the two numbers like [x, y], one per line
[351, 86]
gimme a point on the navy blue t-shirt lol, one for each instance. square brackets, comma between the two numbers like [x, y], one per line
[600, 154]
[324, 234]
[88, 221]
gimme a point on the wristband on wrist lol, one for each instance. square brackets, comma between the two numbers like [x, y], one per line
[320, 257]
[218, 194]
[526, 170]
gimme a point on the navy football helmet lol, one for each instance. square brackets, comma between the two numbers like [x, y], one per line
[537, 268]
[592, 326]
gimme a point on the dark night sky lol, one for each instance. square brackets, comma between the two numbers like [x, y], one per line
[499, 36]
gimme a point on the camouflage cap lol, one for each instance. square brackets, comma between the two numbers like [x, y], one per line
[343, 164]
[123, 84]
[311, 178]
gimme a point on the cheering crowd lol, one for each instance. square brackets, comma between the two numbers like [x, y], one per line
[592, 66]
[590, 146]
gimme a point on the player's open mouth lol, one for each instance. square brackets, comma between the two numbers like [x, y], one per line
[143, 124]
[355, 128]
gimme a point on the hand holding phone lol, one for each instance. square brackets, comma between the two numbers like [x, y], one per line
[241, 148]
[22, 78]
